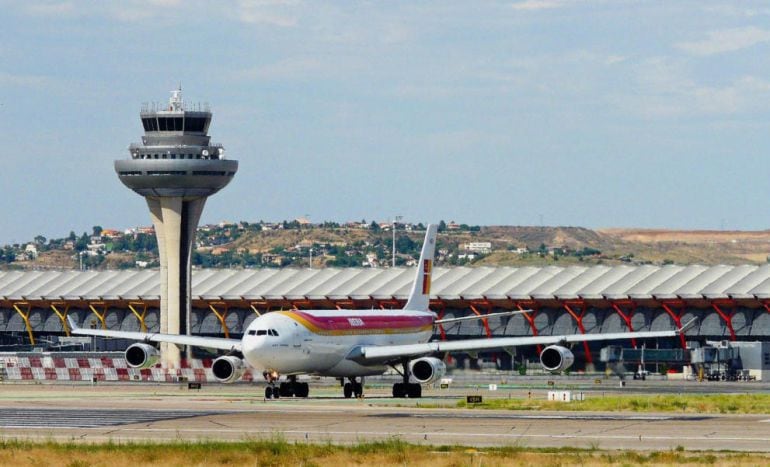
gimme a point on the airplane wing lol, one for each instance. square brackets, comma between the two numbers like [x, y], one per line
[195, 341]
[473, 317]
[384, 353]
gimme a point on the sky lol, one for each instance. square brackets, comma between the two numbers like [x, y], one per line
[594, 113]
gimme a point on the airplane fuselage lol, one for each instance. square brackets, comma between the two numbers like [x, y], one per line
[319, 342]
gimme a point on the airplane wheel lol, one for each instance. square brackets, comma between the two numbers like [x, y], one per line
[399, 390]
[268, 392]
[303, 389]
[415, 391]
[347, 390]
[286, 389]
[276, 393]
[358, 389]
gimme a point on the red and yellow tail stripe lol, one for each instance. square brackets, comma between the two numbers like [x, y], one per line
[427, 268]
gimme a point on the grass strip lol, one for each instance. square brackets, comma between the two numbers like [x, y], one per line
[279, 452]
[681, 403]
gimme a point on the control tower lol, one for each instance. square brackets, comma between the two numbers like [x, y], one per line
[175, 168]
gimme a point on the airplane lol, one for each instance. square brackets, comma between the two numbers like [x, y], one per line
[352, 344]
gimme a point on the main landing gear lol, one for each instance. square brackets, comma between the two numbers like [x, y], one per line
[406, 389]
[290, 388]
[352, 388]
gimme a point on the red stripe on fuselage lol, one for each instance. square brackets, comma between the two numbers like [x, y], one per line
[361, 324]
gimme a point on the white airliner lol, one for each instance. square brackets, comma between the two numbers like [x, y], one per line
[352, 344]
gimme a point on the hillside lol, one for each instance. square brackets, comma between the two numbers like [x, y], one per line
[288, 244]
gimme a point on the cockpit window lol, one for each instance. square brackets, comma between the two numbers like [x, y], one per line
[261, 332]
[252, 332]
[272, 332]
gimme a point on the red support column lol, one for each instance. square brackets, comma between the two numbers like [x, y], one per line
[441, 311]
[530, 317]
[579, 320]
[728, 319]
[299, 303]
[393, 304]
[626, 318]
[344, 305]
[485, 320]
[677, 321]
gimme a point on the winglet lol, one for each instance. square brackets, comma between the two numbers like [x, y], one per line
[687, 326]
[419, 297]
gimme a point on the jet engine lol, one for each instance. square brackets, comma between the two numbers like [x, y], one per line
[227, 369]
[142, 356]
[556, 358]
[427, 369]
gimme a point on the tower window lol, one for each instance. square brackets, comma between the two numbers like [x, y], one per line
[196, 124]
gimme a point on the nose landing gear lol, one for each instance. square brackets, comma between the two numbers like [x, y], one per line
[271, 392]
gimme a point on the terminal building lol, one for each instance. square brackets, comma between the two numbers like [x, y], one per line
[731, 303]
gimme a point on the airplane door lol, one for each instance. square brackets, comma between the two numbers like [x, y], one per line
[296, 337]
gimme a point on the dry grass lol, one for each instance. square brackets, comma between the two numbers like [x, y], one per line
[392, 452]
[702, 403]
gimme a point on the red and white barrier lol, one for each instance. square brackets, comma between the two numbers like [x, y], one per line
[47, 368]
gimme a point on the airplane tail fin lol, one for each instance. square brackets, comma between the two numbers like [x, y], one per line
[419, 297]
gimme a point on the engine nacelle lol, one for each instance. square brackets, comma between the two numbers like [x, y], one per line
[556, 358]
[142, 356]
[427, 369]
[228, 369]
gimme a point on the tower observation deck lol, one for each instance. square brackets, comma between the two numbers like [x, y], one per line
[175, 168]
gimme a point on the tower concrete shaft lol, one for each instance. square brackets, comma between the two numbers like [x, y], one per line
[175, 169]
[175, 221]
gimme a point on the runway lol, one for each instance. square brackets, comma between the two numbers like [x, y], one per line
[81, 418]
[157, 413]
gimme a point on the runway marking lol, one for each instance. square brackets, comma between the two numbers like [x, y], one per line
[88, 418]
[636, 418]
[448, 434]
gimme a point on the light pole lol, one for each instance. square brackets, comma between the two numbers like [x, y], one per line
[311, 258]
[395, 219]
